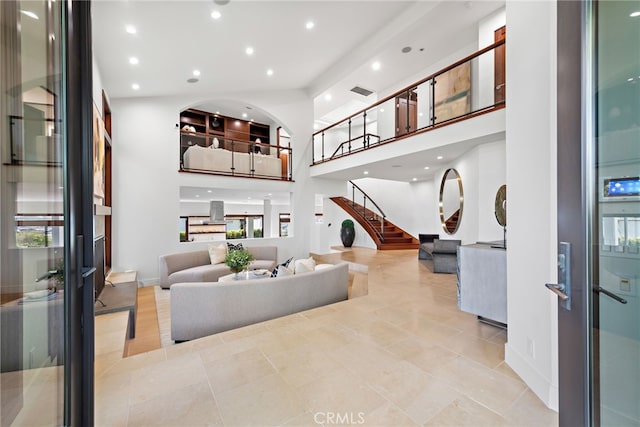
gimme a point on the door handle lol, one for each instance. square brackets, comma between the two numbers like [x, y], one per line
[557, 289]
[600, 289]
[563, 288]
[500, 86]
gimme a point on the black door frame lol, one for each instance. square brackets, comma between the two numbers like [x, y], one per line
[573, 157]
[79, 289]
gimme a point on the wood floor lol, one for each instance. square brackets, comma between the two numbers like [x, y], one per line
[147, 330]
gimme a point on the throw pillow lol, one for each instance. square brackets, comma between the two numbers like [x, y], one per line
[304, 265]
[284, 271]
[274, 273]
[233, 247]
[217, 253]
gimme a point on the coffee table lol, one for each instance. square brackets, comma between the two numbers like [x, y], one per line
[246, 275]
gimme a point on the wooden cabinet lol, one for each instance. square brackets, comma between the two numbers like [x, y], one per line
[200, 128]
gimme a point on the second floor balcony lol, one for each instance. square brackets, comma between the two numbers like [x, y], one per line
[468, 88]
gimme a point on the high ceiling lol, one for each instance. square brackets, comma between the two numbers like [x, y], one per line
[174, 38]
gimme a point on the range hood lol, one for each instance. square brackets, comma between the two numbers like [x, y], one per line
[216, 212]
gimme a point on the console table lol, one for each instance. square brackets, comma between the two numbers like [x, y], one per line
[482, 282]
[120, 294]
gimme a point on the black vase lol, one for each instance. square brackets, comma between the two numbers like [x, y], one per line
[347, 235]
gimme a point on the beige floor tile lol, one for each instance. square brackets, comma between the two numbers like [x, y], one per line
[386, 415]
[477, 349]
[268, 401]
[236, 370]
[486, 386]
[165, 377]
[529, 411]
[301, 366]
[193, 405]
[416, 393]
[339, 393]
[465, 412]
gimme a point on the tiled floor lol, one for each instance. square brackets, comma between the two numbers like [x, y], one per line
[403, 355]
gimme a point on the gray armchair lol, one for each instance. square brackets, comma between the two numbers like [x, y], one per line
[426, 245]
[444, 255]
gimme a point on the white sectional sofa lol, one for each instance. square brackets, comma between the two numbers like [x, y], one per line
[196, 266]
[201, 309]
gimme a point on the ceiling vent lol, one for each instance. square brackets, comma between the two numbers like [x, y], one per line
[361, 91]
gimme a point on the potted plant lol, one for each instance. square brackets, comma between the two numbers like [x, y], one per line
[238, 260]
[347, 233]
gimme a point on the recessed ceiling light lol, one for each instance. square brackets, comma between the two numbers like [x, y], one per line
[216, 14]
[439, 157]
[131, 29]
[309, 25]
[209, 191]
[382, 110]
[244, 115]
[197, 195]
[135, 86]
[196, 73]
[634, 14]
[630, 79]
[134, 61]
[327, 97]
[426, 168]
[406, 49]
[29, 14]
[414, 179]
[269, 72]
[376, 66]
[366, 172]
[192, 80]
[217, 112]
[270, 194]
[249, 50]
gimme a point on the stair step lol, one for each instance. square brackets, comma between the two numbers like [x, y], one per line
[398, 240]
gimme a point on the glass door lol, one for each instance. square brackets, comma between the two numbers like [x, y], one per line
[46, 222]
[598, 213]
[615, 176]
[32, 250]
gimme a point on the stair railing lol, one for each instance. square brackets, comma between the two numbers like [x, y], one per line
[368, 214]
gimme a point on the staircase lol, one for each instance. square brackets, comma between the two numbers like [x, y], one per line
[386, 235]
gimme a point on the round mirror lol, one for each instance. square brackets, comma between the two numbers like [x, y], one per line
[451, 201]
[501, 206]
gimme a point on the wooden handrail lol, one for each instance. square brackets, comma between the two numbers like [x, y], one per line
[364, 207]
[413, 85]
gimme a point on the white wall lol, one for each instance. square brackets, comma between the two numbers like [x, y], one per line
[146, 199]
[531, 349]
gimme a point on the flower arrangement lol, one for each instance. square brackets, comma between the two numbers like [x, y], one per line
[238, 260]
[347, 223]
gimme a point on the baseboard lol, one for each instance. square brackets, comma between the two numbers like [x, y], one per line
[538, 383]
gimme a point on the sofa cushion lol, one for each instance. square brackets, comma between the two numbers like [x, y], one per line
[217, 253]
[201, 273]
[261, 264]
[283, 270]
[445, 246]
[286, 263]
[304, 265]
[234, 247]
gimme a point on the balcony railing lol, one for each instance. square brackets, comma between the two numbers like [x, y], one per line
[217, 155]
[469, 87]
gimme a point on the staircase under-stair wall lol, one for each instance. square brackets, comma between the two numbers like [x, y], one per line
[386, 235]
